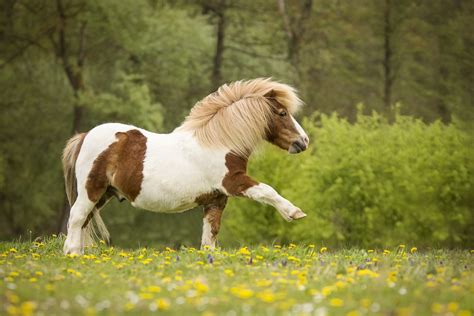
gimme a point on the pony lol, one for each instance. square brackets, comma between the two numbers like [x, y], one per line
[200, 163]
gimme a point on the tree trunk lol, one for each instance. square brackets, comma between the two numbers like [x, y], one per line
[220, 35]
[388, 55]
[75, 79]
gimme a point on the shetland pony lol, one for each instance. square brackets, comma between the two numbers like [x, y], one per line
[202, 162]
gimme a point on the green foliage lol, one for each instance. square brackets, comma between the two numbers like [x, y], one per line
[368, 183]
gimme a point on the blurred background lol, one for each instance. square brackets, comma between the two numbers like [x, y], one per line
[388, 87]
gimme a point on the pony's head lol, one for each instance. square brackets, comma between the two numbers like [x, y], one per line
[283, 130]
[240, 115]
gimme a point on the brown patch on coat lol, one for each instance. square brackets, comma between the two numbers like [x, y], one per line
[281, 131]
[214, 204]
[236, 179]
[119, 166]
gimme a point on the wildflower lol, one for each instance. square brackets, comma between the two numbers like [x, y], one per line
[200, 286]
[370, 250]
[365, 302]
[33, 280]
[229, 272]
[453, 307]
[162, 304]
[14, 274]
[327, 290]
[263, 282]
[386, 252]
[367, 272]
[153, 289]
[244, 251]
[437, 308]
[12, 298]
[13, 250]
[266, 296]
[27, 308]
[241, 292]
[336, 302]
[323, 250]
[413, 249]
[146, 296]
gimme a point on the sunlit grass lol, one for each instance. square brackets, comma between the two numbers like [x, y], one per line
[36, 278]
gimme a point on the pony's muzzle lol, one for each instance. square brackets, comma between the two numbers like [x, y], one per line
[299, 145]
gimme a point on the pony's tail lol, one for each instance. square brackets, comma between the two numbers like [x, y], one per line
[71, 152]
[96, 230]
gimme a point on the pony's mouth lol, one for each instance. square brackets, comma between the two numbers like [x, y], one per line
[297, 147]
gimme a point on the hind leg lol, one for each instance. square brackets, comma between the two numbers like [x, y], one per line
[81, 209]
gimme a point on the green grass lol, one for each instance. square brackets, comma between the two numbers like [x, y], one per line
[36, 278]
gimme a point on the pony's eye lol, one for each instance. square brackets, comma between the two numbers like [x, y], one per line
[282, 113]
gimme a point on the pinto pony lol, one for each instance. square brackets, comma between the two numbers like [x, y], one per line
[202, 162]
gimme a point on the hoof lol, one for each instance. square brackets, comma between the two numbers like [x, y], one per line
[73, 250]
[298, 214]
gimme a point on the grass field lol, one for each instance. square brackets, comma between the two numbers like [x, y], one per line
[36, 278]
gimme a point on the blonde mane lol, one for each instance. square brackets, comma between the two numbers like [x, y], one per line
[237, 115]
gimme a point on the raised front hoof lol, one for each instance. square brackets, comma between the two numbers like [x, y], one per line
[298, 214]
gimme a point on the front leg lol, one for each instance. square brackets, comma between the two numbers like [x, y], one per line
[264, 193]
[237, 183]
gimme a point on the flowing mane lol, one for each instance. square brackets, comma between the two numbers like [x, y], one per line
[237, 115]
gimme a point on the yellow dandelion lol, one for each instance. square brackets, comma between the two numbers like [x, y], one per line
[365, 302]
[263, 282]
[413, 249]
[244, 251]
[146, 296]
[437, 308]
[336, 302]
[266, 296]
[27, 308]
[367, 272]
[241, 292]
[201, 287]
[453, 307]
[162, 304]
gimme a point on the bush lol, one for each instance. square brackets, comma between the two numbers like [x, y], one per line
[370, 183]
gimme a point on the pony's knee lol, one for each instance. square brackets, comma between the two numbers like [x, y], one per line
[79, 213]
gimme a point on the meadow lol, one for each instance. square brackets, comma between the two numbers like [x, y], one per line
[37, 279]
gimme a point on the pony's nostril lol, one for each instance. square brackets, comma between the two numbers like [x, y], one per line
[306, 140]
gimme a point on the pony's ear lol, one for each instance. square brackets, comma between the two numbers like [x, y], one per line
[270, 94]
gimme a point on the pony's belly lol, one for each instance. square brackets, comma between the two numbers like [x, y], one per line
[165, 206]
